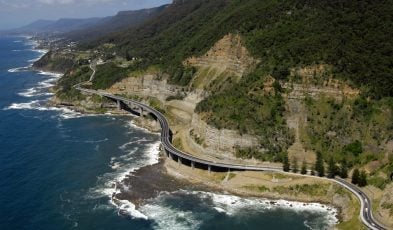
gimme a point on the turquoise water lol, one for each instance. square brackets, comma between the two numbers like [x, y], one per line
[58, 168]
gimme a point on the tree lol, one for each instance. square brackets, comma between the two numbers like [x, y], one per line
[344, 168]
[355, 176]
[362, 179]
[286, 165]
[355, 148]
[304, 168]
[295, 168]
[319, 165]
[312, 171]
[332, 168]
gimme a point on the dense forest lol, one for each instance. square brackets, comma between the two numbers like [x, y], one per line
[355, 37]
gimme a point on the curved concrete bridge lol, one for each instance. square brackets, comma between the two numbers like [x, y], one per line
[195, 162]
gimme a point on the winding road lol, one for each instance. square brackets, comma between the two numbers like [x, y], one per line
[166, 140]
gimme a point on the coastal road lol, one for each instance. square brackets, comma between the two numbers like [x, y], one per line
[166, 140]
[93, 66]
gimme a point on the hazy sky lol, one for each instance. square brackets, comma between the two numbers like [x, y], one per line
[16, 13]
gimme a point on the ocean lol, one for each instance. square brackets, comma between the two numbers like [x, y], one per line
[58, 168]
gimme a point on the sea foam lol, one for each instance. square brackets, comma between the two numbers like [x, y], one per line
[168, 217]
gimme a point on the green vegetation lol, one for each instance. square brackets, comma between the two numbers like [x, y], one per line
[178, 96]
[332, 168]
[378, 181]
[177, 143]
[355, 222]
[64, 87]
[182, 75]
[304, 168]
[58, 62]
[308, 189]
[339, 130]
[355, 176]
[351, 36]
[355, 148]
[258, 188]
[343, 171]
[285, 163]
[359, 177]
[389, 206]
[107, 75]
[319, 167]
[253, 113]
[197, 139]
[295, 167]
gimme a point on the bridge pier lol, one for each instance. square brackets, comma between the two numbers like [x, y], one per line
[141, 111]
[209, 168]
[192, 165]
[179, 160]
[118, 102]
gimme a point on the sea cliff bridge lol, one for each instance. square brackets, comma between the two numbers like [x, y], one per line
[138, 108]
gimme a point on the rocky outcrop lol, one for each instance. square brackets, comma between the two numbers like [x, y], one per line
[229, 54]
[316, 81]
[220, 142]
[55, 62]
[228, 58]
[149, 84]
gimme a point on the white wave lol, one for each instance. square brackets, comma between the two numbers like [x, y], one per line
[168, 217]
[47, 83]
[123, 166]
[42, 51]
[28, 92]
[132, 125]
[165, 217]
[39, 105]
[53, 74]
[28, 105]
[34, 92]
[34, 59]
[125, 207]
[137, 141]
[19, 69]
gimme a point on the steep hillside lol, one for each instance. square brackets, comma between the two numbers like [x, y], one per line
[354, 37]
[121, 21]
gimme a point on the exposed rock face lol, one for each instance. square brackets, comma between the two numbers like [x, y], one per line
[317, 80]
[220, 142]
[300, 91]
[228, 53]
[227, 58]
[145, 85]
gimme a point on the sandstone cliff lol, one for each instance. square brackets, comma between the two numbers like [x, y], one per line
[227, 59]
